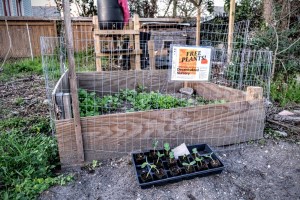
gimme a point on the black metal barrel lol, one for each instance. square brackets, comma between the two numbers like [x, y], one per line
[110, 15]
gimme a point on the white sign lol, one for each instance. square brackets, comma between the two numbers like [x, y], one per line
[191, 63]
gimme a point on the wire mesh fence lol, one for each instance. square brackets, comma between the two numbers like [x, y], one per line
[127, 99]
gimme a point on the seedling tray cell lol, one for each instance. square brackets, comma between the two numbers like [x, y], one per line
[147, 177]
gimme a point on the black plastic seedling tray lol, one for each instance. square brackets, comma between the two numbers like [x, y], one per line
[152, 179]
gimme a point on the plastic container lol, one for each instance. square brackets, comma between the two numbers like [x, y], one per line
[110, 15]
[183, 172]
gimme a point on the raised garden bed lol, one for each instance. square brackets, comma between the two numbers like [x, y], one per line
[239, 119]
[161, 168]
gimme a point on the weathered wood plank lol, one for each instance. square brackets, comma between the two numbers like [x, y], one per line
[216, 125]
[213, 91]
[109, 82]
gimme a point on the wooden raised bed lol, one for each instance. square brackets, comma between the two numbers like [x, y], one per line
[240, 119]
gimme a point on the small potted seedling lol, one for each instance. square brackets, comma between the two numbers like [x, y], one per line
[201, 164]
[167, 149]
[158, 161]
[139, 158]
[145, 175]
[212, 162]
[153, 153]
[159, 173]
[171, 160]
[175, 171]
[189, 167]
[183, 158]
[195, 153]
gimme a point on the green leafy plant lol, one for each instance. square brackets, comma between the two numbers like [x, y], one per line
[167, 148]
[195, 151]
[209, 156]
[27, 163]
[151, 167]
[21, 68]
[199, 159]
[154, 145]
[285, 92]
[189, 164]
[159, 155]
[171, 155]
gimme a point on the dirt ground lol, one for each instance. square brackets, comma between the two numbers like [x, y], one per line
[268, 171]
[24, 97]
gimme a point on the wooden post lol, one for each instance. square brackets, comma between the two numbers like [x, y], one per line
[151, 54]
[67, 106]
[254, 93]
[136, 21]
[198, 26]
[29, 39]
[73, 83]
[230, 30]
[97, 44]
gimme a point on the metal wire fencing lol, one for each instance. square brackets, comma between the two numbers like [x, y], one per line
[127, 99]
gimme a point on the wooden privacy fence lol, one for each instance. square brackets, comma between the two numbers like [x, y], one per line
[20, 36]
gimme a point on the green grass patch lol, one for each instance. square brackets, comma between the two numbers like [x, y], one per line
[26, 125]
[285, 92]
[28, 158]
[21, 68]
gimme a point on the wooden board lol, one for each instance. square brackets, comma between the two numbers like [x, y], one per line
[213, 91]
[109, 82]
[216, 125]
[61, 87]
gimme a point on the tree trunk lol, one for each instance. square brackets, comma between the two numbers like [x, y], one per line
[175, 8]
[268, 8]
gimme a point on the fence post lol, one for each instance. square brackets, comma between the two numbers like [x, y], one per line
[230, 29]
[29, 39]
[73, 83]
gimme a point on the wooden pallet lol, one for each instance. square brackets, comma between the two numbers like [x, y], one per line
[131, 30]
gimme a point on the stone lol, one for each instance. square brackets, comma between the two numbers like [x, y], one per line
[187, 91]
[281, 133]
[46, 102]
[285, 113]
[297, 112]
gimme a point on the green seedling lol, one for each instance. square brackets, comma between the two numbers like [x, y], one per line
[171, 156]
[159, 155]
[189, 164]
[150, 167]
[199, 159]
[154, 145]
[209, 156]
[167, 147]
[195, 151]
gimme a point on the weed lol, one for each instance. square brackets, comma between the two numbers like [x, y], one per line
[285, 92]
[19, 101]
